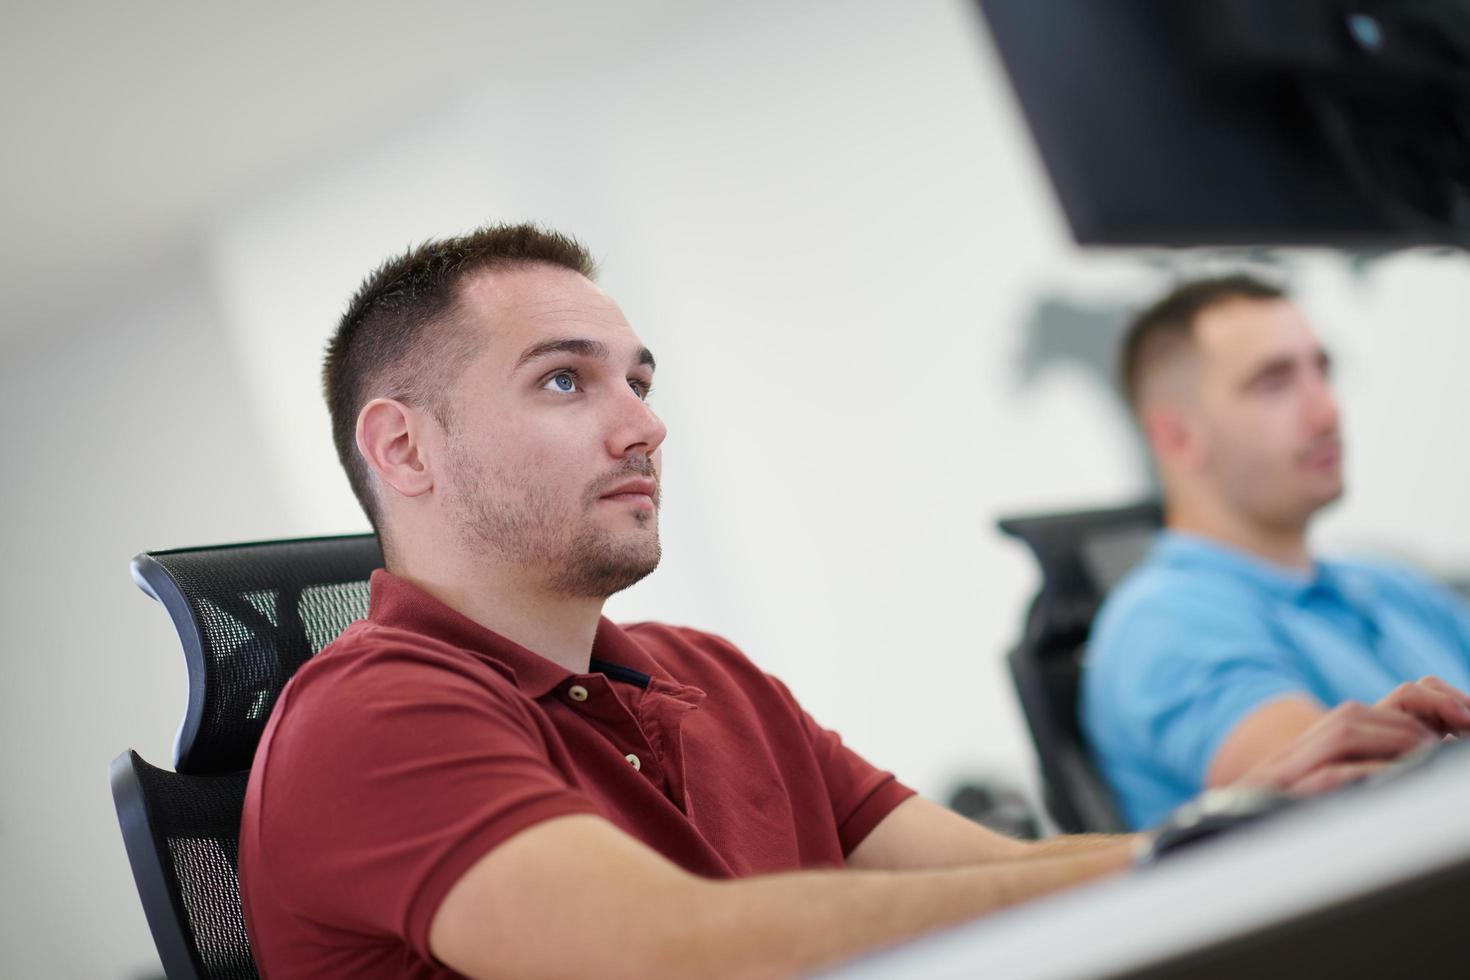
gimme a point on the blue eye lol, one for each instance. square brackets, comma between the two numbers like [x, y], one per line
[563, 381]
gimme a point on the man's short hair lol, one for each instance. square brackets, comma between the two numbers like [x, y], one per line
[401, 336]
[1167, 326]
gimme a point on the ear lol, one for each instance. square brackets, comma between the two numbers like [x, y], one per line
[390, 436]
[1171, 435]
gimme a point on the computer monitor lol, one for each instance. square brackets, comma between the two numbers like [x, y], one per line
[1248, 122]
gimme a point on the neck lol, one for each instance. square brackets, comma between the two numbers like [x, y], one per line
[1284, 545]
[559, 628]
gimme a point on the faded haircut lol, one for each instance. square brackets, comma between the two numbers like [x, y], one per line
[1166, 328]
[401, 336]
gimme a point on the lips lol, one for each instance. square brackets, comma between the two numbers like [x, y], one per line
[1324, 455]
[638, 486]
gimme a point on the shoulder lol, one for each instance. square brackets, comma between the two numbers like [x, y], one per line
[375, 675]
[369, 656]
[1383, 576]
[1399, 583]
[383, 700]
[668, 640]
[1167, 623]
[1161, 598]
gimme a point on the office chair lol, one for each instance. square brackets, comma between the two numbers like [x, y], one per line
[247, 616]
[1082, 556]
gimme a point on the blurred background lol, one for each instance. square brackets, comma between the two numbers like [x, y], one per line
[874, 338]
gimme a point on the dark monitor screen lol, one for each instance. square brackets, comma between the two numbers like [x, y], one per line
[1189, 123]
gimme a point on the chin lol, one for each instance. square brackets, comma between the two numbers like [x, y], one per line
[601, 565]
[1327, 497]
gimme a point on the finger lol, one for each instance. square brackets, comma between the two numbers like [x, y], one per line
[1331, 777]
[1379, 717]
[1442, 711]
[1454, 694]
[1438, 712]
[1351, 730]
[1408, 721]
[1440, 685]
[1348, 736]
[1357, 724]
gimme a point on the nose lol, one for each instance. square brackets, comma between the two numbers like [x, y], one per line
[1321, 405]
[636, 428]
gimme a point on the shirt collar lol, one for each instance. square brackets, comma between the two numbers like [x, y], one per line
[1182, 549]
[397, 603]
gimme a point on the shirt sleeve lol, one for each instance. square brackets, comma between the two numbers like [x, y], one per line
[1170, 676]
[861, 794]
[383, 787]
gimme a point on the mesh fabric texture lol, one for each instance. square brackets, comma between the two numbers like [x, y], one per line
[195, 822]
[259, 612]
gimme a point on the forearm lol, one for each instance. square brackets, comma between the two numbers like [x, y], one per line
[1263, 735]
[787, 924]
[557, 898]
[1073, 844]
[920, 835]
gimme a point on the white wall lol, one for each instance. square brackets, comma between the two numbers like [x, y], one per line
[1406, 404]
[827, 223]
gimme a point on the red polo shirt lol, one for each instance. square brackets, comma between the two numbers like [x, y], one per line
[419, 740]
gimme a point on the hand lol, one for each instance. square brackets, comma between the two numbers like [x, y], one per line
[1354, 740]
[1437, 705]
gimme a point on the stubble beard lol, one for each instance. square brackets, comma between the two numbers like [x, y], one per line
[554, 539]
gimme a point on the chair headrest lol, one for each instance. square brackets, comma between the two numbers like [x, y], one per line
[1082, 555]
[248, 616]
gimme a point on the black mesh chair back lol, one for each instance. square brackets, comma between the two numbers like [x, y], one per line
[247, 616]
[1082, 555]
[182, 835]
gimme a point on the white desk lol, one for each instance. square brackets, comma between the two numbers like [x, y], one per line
[1383, 840]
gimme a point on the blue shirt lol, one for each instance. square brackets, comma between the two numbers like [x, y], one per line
[1201, 635]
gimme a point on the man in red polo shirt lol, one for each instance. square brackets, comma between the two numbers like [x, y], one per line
[485, 777]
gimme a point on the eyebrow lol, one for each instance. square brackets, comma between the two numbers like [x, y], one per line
[1286, 362]
[581, 348]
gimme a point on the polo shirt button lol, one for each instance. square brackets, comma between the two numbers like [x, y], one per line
[633, 761]
[577, 692]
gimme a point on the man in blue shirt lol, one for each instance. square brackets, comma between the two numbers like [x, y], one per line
[1232, 647]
